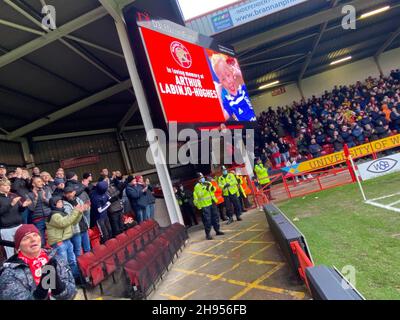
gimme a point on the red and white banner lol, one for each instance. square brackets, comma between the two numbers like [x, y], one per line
[79, 162]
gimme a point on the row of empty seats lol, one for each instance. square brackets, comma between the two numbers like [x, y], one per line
[143, 252]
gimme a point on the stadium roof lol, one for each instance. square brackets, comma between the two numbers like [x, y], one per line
[79, 71]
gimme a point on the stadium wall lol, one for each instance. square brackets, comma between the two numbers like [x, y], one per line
[317, 84]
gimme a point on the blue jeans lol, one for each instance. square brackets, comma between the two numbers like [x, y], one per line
[285, 156]
[85, 241]
[41, 225]
[25, 216]
[76, 241]
[66, 252]
[151, 206]
[139, 212]
[147, 213]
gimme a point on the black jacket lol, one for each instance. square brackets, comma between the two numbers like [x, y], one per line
[149, 195]
[116, 204]
[77, 185]
[136, 196]
[10, 216]
[20, 187]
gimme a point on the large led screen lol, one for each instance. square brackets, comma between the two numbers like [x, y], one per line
[195, 84]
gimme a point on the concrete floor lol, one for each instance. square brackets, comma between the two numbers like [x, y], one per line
[244, 264]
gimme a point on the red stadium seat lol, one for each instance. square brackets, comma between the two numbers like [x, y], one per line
[106, 256]
[91, 269]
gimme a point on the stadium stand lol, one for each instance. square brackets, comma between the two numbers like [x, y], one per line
[365, 111]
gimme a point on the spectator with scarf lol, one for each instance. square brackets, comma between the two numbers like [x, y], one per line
[25, 275]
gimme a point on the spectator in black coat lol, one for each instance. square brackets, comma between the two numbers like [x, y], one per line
[59, 186]
[337, 142]
[315, 149]
[115, 210]
[20, 185]
[87, 179]
[382, 130]
[11, 208]
[151, 200]
[39, 207]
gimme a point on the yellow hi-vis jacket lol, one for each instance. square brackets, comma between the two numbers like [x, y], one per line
[203, 195]
[230, 179]
[262, 174]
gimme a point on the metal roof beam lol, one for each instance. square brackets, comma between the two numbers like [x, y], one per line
[243, 65]
[388, 42]
[48, 71]
[30, 16]
[114, 7]
[301, 24]
[26, 96]
[83, 55]
[94, 63]
[52, 36]
[21, 27]
[278, 46]
[90, 60]
[82, 104]
[278, 69]
[315, 45]
[81, 133]
[131, 112]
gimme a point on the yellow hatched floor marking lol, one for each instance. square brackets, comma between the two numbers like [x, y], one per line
[232, 237]
[256, 261]
[184, 275]
[216, 257]
[247, 241]
[256, 285]
[172, 297]
[237, 265]
[248, 286]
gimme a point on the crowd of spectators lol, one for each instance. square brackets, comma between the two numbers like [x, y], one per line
[352, 115]
[63, 209]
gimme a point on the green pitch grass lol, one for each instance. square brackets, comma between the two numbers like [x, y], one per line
[341, 230]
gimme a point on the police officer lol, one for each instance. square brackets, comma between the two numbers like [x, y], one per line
[229, 186]
[263, 177]
[242, 195]
[185, 201]
[204, 199]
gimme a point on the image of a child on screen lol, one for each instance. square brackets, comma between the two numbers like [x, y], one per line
[231, 88]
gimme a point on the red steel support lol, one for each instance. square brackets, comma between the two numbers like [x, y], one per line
[351, 170]
[304, 261]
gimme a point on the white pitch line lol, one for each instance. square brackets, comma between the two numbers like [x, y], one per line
[394, 203]
[385, 197]
[382, 206]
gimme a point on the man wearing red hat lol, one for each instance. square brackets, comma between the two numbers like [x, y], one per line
[35, 273]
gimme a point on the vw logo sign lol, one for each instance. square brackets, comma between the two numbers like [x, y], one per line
[382, 165]
[181, 54]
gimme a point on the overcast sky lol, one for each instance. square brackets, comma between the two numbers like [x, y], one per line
[193, 8]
